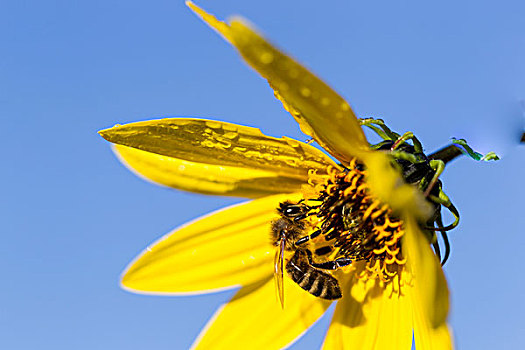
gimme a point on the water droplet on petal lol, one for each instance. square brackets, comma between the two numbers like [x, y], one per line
[212, 124]
[266, 57]
[306, 92]
[231, 135]
[293, 73]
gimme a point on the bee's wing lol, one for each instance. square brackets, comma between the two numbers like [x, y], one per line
[278, 272]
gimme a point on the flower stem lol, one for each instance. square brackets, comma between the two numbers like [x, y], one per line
[447, 154]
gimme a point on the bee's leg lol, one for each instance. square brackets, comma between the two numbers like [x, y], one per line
[328, 265]
[323, 250]
[301, 217]
[332, 265]
[305, 239]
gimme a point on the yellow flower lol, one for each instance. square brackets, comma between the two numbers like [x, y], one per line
[370, 250]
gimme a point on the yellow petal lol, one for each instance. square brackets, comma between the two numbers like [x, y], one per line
[215, 157]
[205, 178]
[386, 184]
[320, 111]
[430, 293]
[227, 248]
[427, 337]
[221, 27]
[254, 319]
[372, 317]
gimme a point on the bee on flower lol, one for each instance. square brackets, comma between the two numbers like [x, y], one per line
[363, 231]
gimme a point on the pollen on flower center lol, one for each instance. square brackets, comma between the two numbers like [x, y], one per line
[357, 225]
[342, 224]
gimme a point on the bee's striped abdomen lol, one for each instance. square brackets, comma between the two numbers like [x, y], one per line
[312, 280]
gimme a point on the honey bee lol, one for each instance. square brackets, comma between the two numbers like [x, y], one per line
[288, 235]
[313, 280]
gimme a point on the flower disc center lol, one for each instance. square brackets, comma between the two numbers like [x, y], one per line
[342, 224]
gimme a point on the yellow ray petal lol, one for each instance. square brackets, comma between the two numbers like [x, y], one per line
[430, 292]
[428, 338]
[372, 317]
[205, 178]
[219, 26]
[227, 248]
[320, 111]
[215, 157]
[254, 319]
[386, 184]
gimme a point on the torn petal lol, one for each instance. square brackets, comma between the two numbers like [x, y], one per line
[320, 111]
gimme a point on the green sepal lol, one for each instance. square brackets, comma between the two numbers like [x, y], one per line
[466, 149]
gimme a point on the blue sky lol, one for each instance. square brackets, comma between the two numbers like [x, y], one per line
[73, 217]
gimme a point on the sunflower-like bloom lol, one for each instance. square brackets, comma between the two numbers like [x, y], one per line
[327, 231]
